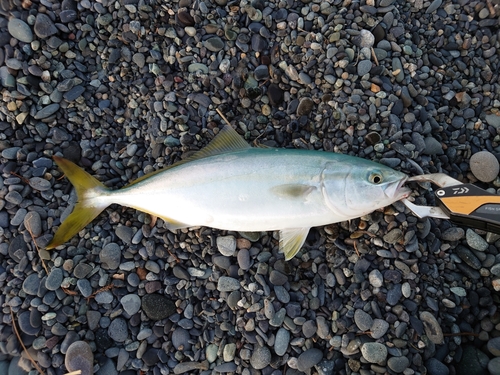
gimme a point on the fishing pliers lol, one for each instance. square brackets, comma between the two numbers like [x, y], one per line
[462, 203]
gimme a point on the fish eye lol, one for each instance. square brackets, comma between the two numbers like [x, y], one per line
[375, 178]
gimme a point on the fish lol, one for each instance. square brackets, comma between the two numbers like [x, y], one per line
[230, 185]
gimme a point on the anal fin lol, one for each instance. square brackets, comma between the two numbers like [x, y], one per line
[291, 241]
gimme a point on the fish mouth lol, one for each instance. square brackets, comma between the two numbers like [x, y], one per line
[397, 191]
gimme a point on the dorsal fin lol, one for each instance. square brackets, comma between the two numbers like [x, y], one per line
[227, 140]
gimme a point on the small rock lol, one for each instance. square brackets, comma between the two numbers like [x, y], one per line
[157, 306]
[54, 280]
[436, 367]
[432, 327]
[398, 364]
[281, 341]
[376, 279]
[308, 359]
[79, 356]
[44, 27]
[475, 241]
[214, 44]
[131, 303]
[379, 328]
[484, 166]
[118, 330]
[363, 320]
[374, 352]
[261, 358]
[227, 284]
[20, 30]
[226, 245]
[305, 107]
[432, 146]
[110, 256]
[364, 67]
[494, 346]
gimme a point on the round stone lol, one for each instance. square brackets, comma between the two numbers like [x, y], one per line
[484, 166]
[398, 364]
[44, 27]
[110, 256]
[118, 330]
[31, 284]
[363, 320]
[157, 306]
[379, 328]
[261, 358]
[79, 356]
[309, 358]
[305, 106]
[364, 67]
[226, 245]
[374, 352]
[131, 303]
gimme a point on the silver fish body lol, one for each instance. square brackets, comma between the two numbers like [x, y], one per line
[232, 186]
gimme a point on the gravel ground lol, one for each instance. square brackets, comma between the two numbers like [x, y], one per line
[126, 87]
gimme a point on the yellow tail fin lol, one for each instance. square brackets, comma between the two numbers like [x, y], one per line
[87, 208]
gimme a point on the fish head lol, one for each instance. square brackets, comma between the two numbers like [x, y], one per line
[356, 189]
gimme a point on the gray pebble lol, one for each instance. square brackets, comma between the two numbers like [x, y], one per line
[364, 67]
[84, 287]
[125, 233]
[24, 322]
[494, 346]
[10, 153]
[118, 330]
[82, 270]
[379, 328]
[309, 329]
[375, 278]
[226, 245]
[475, 241]
[277, 278]
[494, 366]
[79, 356]
[244, 261]
[261, 357]
[432, 327]
[110, 256]
[33, 222]
[47, 111]
[214, 44]
[54, 279]
[20, 30]
[44, 27]
[374, 352]
[434, 5]
[453, 234]
[180, 339]
[104, 297]
[281, 341]
[432, 146]
[398, 364]
[309, 358]
[484, 166]
[31, 284]
[131, 303]
[227, 284]
[363, 320]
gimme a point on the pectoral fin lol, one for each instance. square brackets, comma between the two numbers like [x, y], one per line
[291, 240]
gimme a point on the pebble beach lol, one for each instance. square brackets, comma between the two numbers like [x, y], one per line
[125, 87]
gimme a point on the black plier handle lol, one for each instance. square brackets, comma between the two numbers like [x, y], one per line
[463, 204]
